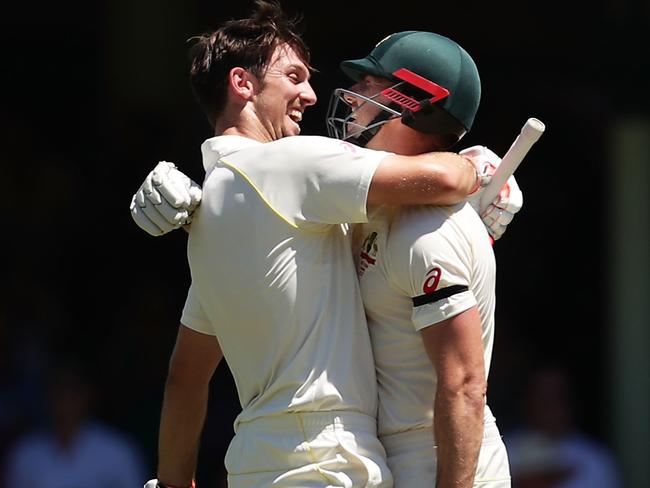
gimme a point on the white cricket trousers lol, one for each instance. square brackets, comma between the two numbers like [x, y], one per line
[412, 459]
[308, 450]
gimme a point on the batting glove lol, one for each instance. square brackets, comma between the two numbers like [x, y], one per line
[165, 201]
[156, 484]
[502, 210]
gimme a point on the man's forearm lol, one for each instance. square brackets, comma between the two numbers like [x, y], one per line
[183, 414]
[458, 427]
[428, 179]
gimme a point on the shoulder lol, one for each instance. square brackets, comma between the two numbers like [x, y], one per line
[414, 223]
[323, 148]
[445, 233]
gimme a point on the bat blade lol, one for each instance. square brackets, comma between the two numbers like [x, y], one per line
[530, 133]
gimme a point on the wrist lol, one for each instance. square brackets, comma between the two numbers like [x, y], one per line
[165, 485]
[477, 177]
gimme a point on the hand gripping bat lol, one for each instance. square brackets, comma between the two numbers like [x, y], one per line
[530, 133]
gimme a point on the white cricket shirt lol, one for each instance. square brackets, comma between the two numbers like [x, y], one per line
[273, 275]
[442, 258]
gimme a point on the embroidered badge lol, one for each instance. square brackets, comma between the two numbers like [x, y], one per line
[368, 253]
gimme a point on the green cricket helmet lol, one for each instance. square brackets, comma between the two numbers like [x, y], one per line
[437, 88]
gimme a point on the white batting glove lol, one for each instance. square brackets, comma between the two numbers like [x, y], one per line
[155, 484]
[502, 210]
[165, 201]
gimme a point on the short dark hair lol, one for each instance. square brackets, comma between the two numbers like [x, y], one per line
[248, 43]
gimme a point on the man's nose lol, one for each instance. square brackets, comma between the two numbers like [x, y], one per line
[308, 96]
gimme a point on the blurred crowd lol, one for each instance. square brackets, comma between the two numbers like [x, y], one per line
[65, 424]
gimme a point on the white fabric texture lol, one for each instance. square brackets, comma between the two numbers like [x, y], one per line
[415, 249]
[273, 276]
[318, 449]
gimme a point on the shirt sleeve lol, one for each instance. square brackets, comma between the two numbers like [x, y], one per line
[311, 179]
[193, 315]
[433, 267]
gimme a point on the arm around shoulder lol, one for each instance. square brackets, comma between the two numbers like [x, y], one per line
[437, 178]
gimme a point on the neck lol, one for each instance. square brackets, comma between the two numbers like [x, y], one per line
[242, 121]
[243, 132]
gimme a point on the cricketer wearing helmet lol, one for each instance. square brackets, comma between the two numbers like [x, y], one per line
[427, 273]
[405, 131]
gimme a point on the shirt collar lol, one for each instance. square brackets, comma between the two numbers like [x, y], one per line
[218, 147]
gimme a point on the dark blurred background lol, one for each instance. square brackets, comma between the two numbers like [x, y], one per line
[95, 93]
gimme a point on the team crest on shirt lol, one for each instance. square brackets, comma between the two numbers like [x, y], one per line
[368, 253]
[431, 280]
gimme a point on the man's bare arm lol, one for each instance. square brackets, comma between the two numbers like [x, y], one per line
[440, 178]
[455, 349]
[191, 367]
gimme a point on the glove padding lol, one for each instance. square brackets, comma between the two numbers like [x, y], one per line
[502, 210]
[165, 201]
[155, 484]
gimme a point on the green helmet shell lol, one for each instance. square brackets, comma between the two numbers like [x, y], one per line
[432, 56]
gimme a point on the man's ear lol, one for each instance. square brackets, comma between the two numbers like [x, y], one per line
[241, 83]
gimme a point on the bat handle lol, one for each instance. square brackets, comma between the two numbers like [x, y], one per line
[530, 133]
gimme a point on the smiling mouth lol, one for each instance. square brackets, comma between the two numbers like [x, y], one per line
[295, 115]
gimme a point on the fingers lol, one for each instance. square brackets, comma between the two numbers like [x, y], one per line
[141, 219]
[494, 214]
[172, 184]
[165, 200]
[148, 192]
[510, 198]
[174, 216]
[508, 202]
[496, 232]
[175, 187]
[164, 216]
[515, 196]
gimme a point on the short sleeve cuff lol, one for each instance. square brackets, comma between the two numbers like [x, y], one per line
[432, 313]
[197, 324]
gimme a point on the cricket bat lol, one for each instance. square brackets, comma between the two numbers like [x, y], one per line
[530, 133]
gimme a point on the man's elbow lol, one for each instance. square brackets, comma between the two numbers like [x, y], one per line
[475, 391]
[452, 189]
[471, 389]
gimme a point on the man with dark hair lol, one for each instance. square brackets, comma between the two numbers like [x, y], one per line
[273, 284]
